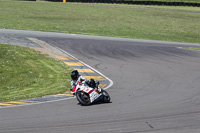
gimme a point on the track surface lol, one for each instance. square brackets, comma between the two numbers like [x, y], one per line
[156, 89]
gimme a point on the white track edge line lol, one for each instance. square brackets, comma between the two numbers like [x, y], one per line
[21, 105]
[111, 82]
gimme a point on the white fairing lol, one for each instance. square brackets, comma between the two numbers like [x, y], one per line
[94, 95]
[92, 92]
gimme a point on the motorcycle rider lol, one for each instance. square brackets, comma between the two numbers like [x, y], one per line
[75, 76]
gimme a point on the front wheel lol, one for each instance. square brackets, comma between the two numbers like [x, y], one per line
[106, 97]
[83, 98]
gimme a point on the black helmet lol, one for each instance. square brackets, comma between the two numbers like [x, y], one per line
[74, 75]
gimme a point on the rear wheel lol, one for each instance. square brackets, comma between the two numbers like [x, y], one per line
[106, 97]
[83, 98]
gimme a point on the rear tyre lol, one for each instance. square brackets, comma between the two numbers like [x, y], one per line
[83, 98]
[106, 97]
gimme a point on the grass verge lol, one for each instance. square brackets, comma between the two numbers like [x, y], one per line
[127, 21]
[25, 73]
[188, 1]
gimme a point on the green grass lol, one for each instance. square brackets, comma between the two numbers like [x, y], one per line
[103, 20]
[188, 1]
[25, 73]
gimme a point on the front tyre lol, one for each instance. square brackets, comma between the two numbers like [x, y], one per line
[106, 97]
[83, 98]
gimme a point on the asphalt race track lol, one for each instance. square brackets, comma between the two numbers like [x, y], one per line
[156, 88]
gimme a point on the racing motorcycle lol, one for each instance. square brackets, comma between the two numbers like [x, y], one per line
[87, 95]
